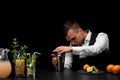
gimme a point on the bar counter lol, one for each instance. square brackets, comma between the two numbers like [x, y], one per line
[67, 74]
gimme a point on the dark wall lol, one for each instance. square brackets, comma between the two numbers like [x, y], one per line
[42, 31]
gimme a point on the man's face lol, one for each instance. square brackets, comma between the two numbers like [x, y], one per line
[75, 37]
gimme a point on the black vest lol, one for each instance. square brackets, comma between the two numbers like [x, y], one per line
[100, 60]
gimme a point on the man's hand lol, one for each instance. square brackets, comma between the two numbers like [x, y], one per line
[63, 49]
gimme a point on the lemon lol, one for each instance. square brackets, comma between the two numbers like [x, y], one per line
[89, 69]
[18, 62]
[22, 60]
[33, 61]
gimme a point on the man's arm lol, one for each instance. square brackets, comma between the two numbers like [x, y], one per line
[101, 44]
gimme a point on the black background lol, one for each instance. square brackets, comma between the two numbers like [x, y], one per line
[40, 27]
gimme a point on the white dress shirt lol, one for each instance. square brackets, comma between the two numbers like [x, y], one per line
[101, 44]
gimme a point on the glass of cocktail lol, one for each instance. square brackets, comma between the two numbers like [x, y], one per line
[20, 67]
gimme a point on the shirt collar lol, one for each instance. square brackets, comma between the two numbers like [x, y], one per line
[87, 39]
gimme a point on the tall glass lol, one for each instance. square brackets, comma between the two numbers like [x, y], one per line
[20, 67]
[31, 67]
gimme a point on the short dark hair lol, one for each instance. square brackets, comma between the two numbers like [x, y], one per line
[69, 25]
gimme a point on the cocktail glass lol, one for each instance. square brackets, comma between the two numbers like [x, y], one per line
[20, 67]
[31, 67]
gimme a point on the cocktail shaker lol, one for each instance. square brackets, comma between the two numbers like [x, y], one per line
[60, 63]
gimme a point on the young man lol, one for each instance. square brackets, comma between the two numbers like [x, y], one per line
[85, 47]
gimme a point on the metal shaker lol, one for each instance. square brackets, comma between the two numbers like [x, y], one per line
[60, 63]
